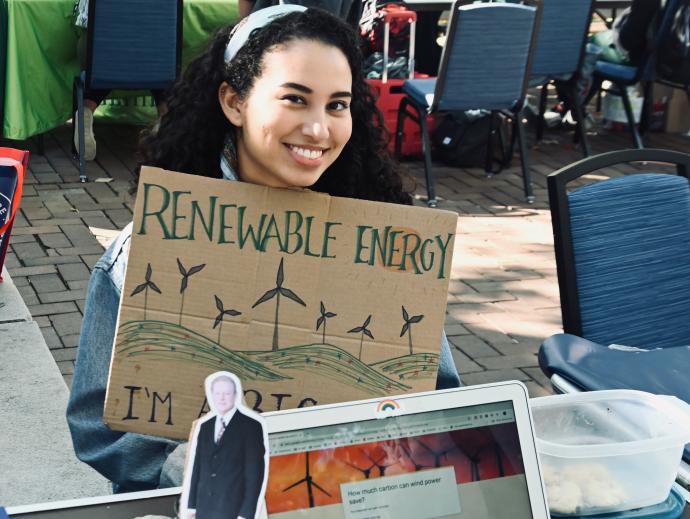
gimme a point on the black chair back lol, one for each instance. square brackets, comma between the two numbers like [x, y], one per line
[133, 44]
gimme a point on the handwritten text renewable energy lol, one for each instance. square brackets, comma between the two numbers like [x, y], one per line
[290, 232]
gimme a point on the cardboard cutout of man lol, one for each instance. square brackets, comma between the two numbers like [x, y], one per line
[229, 467]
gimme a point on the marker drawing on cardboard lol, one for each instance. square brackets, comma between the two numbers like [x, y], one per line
[161, 340]
[328, 359]
[227, 467]
[297, 293]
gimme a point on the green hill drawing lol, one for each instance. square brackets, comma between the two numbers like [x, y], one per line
[328, 361]
[169, 341]
[409, 367]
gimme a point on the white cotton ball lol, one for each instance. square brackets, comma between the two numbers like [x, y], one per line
[597, 495]
[564, 497]
[596, 471]
[579, 474]
[582, 486]
[603, 493]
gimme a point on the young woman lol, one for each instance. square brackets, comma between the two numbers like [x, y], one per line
[281, 102]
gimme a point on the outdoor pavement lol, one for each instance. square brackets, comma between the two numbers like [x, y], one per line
[33, 397]
[503, 297]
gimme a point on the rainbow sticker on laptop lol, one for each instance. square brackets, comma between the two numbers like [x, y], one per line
[388, 407]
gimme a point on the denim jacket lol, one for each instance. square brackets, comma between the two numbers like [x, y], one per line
[132, 461]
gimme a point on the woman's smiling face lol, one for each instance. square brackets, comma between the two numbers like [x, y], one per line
[296, 119]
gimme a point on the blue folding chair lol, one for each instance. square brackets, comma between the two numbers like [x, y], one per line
[622, 255]
[485, 65]
[131, 45]
[558, 56]
[623, 76]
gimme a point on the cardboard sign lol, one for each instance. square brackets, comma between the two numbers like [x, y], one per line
[309, 299]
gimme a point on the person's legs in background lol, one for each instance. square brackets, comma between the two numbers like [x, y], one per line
[92, 98]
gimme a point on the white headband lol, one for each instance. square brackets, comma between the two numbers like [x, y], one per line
[243, 30]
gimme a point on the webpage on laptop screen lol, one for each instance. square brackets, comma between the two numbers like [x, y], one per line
[454, 463]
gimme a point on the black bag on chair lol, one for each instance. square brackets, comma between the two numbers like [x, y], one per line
[461, 138]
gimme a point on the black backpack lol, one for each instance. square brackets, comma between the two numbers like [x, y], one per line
[460, 139]
[673, 53]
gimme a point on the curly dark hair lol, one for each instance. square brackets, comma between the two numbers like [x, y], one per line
[191, 134]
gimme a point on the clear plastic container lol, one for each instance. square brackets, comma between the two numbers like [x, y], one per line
[609, 451]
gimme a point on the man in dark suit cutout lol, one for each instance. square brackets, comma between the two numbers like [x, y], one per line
[229, 464]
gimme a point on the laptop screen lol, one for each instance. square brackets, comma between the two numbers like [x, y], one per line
[452, 463]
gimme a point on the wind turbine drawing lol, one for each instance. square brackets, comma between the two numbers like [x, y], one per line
[407, 327]
[186, 274]
[309, 481]
[436, 454]
[382, 468]
[144, 287]
[363, 330]
[277, 292]
[322, 320]
[221, 315]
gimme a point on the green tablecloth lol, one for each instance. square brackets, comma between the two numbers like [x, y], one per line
[41, 58]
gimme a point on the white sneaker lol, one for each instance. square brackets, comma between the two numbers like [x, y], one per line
[89, 138]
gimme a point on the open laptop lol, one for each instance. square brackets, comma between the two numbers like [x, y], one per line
[457, 453]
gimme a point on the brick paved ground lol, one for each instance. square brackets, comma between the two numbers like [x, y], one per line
[503, 298]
